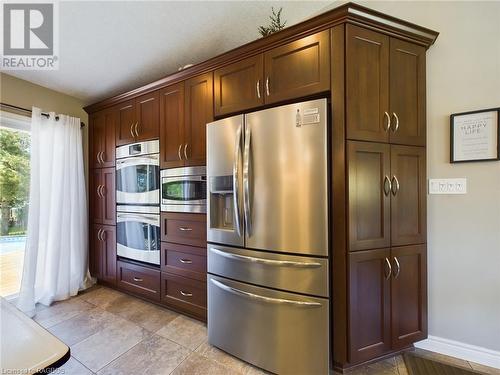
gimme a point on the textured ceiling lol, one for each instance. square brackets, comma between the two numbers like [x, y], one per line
[107, 48]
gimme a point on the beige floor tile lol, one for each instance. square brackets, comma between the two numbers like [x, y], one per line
[400, 363]
[154, 355]
[188, 332]
[61, 311]
[211, 352]
[105, 346]
[73, 367]
[83, 325]
[143, 313]
[100, 296]
[484, 369]
[443, 358]
[196, 364]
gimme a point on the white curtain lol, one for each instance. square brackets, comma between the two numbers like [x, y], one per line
[55, 259]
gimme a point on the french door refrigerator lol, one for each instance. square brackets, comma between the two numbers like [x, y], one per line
[268, 294]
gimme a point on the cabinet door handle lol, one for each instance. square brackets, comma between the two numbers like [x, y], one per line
[186, 294]
[185, 151]
[103, 153]
[136, 129]
[103, 235]
[179, 152]
[131, 130]
[186, 261]
[99, 191]
[185, 229]
[99, 234]
[98, 157]
[258, 88]
[387, 124]
[389, 268]
[398, 267]
[394, 185]
[387, 186]
[138, 279]
[103, 191]
[267, 85]
[396, 125]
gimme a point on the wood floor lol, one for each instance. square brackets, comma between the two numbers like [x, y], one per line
[113, 333]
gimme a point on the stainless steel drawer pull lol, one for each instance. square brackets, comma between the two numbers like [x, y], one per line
[394, 185]
[257, 297]
[131, 131]
[185, 229]
[186, 261]
[179, 152]
[387, 124]
[267, 86]
[186, 294]
[258, 88]
[185, 151]
[389, 268]
[396, 125]
[398, 268]
[387, 186]
[280, 263]
[138, 279]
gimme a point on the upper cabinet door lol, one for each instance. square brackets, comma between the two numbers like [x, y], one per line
[369, 195]
[409, 295]
[147, 124]
[172, 126]
[407, 85]
[125, 117]
[199, 111]
[367, 85]
[408, 203]
[103, 138]
[239, 86]
[299, 68]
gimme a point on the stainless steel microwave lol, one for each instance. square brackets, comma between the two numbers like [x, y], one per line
[184, 189]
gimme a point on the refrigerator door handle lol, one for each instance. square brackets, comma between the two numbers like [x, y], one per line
[236, 178]
[246, 182]
[270, 262]
[260, 298]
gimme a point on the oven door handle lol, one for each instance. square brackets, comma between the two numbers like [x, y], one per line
[152, 220]
[143, 160]
[236, 178]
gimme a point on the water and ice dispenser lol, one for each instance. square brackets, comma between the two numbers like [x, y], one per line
[221, 202]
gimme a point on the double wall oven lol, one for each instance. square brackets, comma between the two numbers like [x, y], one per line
[138, 200]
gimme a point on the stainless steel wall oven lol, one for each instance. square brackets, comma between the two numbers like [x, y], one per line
[184, 189]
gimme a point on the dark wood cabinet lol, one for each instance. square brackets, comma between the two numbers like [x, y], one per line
[182, 260]
[138, 119]
[385, 83]
[102, 139]
[367, 84]
[239, 86]
[125, 115]
[407, 92]
[199, 110]
[298, 69]
[369, 304]
[103, 196]
[141, 280]
[185, 294]
[387, 300]
[172, 126]
[409, 193]
[103, 253]
[409, 295]
[184, 229]
[369, 171]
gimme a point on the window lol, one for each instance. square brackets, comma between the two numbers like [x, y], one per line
[14, 198]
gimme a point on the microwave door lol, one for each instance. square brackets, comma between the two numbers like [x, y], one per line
[224, 179]
[285, 179]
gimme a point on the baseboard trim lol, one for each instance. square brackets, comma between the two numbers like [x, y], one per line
[461, 350]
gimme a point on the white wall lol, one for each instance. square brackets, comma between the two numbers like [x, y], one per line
[463, 74]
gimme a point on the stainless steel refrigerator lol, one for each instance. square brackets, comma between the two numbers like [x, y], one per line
[268, 289]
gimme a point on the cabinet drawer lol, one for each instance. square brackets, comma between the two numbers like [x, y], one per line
[140, 280]
[185, 229]
[184, 260]
[186, 294]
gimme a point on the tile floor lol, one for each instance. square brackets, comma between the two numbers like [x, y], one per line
[111, 333]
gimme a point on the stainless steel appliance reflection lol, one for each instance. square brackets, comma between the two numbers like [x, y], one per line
[267, 227]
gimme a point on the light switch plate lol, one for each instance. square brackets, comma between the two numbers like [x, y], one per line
[447, 186]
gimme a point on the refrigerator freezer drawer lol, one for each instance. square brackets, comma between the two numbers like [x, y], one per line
[280, 332]
[287, 272]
